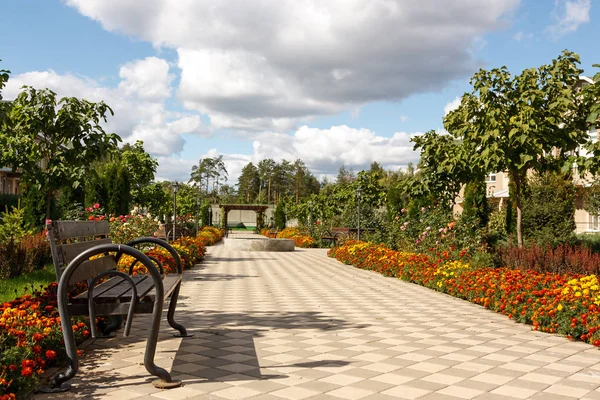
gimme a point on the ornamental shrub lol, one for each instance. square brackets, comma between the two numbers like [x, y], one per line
[280, 216]
[549, 210]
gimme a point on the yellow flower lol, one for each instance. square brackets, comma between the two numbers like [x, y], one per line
[560, 307]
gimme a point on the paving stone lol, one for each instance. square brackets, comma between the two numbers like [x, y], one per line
[300, 325]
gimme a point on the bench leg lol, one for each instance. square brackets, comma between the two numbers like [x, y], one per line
[171, 314]
[165, 381]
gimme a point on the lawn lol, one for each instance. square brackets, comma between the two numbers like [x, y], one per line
[18, 286]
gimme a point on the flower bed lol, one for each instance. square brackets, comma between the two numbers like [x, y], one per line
[300, 239]
[31, 340]
[30, 333]
[567, 304]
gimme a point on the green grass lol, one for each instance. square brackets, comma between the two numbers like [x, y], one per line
[12, 288]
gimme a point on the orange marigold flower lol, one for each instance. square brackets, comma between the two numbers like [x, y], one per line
[50, 354]
[36, 349]
[27, 371]
[38, 337]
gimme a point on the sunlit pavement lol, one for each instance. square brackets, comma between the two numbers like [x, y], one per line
[300, 325]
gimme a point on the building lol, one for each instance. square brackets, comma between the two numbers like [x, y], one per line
[9, 181]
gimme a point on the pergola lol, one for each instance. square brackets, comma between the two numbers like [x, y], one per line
[258, 208]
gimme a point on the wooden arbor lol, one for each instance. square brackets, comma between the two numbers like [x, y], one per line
[258, 208]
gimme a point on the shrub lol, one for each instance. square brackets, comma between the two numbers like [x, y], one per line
[8, 201]
[280, 216]
[549, 210]
[545, 258]
[476, 208]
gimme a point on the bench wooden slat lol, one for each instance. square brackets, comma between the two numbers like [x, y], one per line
[90, 268]
[72, 250]
[99, 289]
[117, 289]
[76, 229]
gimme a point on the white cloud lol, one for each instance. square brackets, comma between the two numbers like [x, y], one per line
[149, 79]
[452, 105]
[403, 118]
[265, 65]
[322, 150]
[569, 15]
[138, 102]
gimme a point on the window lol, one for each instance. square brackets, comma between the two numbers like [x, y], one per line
[490, 178]
[593, 223]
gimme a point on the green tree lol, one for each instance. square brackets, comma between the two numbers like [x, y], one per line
[53, 142]
[141, 168]
[549, 209]
[4, 75]
[531, 121]
[248, 184]
[280, 216]
[475, 204]
[446, 165]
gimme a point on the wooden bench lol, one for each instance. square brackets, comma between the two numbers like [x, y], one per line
[82, 251]
[272, 233]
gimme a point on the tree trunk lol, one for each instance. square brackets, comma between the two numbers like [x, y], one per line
[48, 202]
[269, 191]
[518, 190]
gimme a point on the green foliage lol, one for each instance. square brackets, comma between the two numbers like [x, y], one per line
[280, 216]
[66, 135]
[531, 121]
[590, 240]
[9, 201]
[591, 197]
[12, 225]
[483, 259]
[17, 286]
[446, 164]
[475, 204]
[140, 167]
[549, 210]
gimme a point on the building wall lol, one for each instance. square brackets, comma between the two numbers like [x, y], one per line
[9, 182]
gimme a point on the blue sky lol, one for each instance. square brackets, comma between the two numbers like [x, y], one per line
[348, 82]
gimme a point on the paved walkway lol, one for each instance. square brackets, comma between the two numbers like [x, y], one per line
[302, 326]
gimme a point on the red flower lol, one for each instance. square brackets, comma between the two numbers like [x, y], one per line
[96, 206]
[12, 367]
[50, 354]
[27, 371]
[36, 349]
[27, 363]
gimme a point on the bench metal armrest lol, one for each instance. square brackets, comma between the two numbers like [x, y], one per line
[63, 299]
[161, 243]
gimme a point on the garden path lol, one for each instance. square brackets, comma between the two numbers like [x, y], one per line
[300, 325]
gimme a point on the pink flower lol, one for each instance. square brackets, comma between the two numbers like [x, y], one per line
[396, 218]
[428, 228]
[48, 221]
[421, 220]
[417, 242]
[406, 223]
[89, 209]
[96, 206]
[403, 210]
[441, 230]
[402, 227]
[422, 209]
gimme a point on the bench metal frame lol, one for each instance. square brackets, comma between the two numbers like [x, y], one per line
[60, 231]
